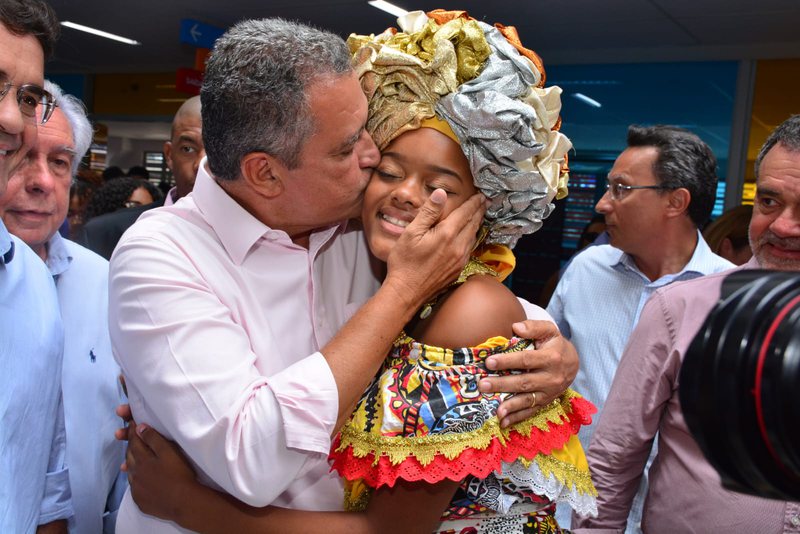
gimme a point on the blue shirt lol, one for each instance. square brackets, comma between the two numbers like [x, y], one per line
[596, 305]
[91, 386]
[34, 481]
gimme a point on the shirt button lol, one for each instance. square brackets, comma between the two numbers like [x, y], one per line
[795, 521]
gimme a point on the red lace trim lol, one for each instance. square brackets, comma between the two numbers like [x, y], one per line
[475, 462]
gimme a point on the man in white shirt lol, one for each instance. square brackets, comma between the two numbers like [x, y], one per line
[33, 207]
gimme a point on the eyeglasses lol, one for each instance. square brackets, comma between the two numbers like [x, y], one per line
[619, 191]
[29, 97]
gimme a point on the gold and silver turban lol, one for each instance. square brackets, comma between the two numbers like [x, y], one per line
[490, 90]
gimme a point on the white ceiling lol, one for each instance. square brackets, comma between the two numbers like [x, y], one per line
[562, 31]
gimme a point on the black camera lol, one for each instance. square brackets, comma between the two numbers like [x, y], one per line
[740, 384]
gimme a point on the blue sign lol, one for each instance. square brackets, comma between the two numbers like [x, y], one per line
[198, 34]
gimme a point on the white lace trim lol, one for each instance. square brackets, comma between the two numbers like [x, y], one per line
[549, 486]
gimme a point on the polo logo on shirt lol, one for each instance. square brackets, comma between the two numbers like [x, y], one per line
[92, 356]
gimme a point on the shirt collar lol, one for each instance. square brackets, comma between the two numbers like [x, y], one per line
[169, 198]
[58, 258]
[6, 245]
[752, 263]
[703, 261]
[237, 229]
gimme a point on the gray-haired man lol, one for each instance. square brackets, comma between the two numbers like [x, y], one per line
[33, 207]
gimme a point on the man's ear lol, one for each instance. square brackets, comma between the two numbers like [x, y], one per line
[168, 153]
[262, 172]
[679, 200]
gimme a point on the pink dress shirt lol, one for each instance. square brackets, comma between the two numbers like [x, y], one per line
[216, 321]
[168, 198]
[685, 492]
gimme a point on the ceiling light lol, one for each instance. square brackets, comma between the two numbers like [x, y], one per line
[586, 100]
[389, 8]
[101, 33]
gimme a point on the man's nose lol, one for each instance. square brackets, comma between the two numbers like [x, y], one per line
[369, 156]
[37, 177]
[11, 119]
[604, 204]
[787, 224]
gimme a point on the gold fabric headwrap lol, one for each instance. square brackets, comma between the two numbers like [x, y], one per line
[403, 75]
[489, 90]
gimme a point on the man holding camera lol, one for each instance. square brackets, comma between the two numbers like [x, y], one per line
[685, 493]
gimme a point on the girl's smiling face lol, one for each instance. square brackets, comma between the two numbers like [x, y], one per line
[411, 168]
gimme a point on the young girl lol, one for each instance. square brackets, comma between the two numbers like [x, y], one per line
[457, 106]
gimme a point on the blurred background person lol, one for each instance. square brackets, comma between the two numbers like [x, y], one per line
[111, 173]
[183, 152]
[727, 235]
[118, 194]
[80, 192]
[145, 195]
[139, 172]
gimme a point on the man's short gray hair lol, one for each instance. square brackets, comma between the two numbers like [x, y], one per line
[787, 134]
[254, 96]
[75, 113]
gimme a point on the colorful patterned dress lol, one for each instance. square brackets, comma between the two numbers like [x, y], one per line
[423, 419]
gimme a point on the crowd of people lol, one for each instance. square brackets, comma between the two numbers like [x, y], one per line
[311, 324]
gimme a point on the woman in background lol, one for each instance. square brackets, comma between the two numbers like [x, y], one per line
[120, 193]
[728, 236]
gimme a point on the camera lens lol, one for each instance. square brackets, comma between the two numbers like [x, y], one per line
[740, 384]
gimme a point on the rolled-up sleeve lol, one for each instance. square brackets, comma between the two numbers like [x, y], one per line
[57, 499]
[534, 312]
[194, 374]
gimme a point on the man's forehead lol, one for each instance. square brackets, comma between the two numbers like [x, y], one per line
[21, 57]
[779, 167]
[55, 135]
[187, 126]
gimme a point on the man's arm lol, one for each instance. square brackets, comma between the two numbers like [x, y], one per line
[193, 366]
[419, 266]
[621, 444]
[548, 370]
[54, 527]
[163, 485]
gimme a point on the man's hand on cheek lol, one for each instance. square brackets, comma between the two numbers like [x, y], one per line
[546, 371]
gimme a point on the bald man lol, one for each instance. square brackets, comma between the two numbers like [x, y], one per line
[185, 149]
[183, 152]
